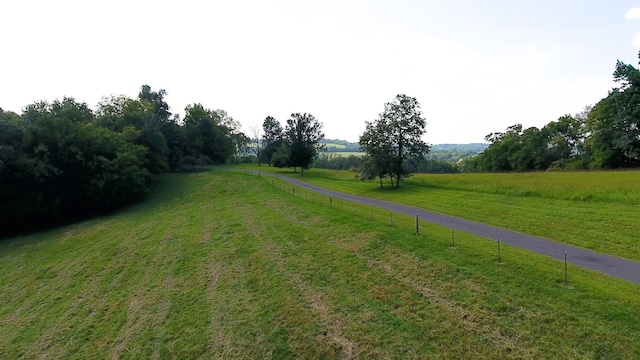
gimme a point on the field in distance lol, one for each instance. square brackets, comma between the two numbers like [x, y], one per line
[341, 153]
[593, 210]
[227, 265]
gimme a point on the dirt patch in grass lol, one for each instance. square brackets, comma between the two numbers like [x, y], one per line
[355, 243]
[214, 274]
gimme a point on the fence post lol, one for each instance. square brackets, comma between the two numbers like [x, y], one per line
[417, 226]
[453, 237]
[565, 267]
[499, 256]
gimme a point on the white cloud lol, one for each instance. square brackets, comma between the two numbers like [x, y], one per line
[633, 14]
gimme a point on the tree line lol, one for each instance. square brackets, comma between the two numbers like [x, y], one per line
[341, 145]
[428, 165]
[604, 136]
[392, 144]
[296, 145]
[60, 159]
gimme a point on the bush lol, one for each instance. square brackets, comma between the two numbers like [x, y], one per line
[249, 159]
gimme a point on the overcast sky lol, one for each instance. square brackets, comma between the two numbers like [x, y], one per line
[475, 66]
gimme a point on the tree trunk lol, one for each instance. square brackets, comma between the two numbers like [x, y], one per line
[380, 181]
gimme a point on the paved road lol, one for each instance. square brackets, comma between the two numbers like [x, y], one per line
[611, 265]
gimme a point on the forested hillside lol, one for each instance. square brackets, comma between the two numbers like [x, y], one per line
[455, 152]
[442, 158]
[337, 145]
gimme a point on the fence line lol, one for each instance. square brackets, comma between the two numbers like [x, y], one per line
[400, 221]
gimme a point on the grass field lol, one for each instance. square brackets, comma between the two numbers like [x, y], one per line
[225, 265]
[593, 210]
[334, 145]
[343, 153]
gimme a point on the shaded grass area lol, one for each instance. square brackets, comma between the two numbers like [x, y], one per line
[224, 265]
[593, 210]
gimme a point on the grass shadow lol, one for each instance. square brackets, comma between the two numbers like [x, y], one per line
[168, 187]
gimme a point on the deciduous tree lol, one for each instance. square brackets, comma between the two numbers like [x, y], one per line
[303, 134]
[207, 138]
[257, 143]
[395, 137]
[273, 137]
[614, 123]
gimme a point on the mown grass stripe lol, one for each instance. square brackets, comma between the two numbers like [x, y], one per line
[222, 265]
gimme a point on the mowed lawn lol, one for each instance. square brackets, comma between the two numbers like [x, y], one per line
[225, 265]
[593, 210]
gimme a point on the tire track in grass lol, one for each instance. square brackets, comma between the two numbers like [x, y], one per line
[430, 308]
[451, 313]
[232, 275]
[218, 338]
[334, 333]
[219, 341]
[406, 270]
[459, 319]
[140, 310]
[59, 339]
[49, 344]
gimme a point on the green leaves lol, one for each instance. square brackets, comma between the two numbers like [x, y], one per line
[605, 136]
[206, 137]
[392, 139]
[273, 138]
[303, 135]
[59, 158]
[614, 123]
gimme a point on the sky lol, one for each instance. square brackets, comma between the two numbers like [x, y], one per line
[475, 67]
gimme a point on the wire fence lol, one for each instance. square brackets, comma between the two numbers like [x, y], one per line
[410, 224]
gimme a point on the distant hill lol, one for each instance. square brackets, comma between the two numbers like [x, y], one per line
[479, 147]
[446, 152]
[336, 145]
[455, 152]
